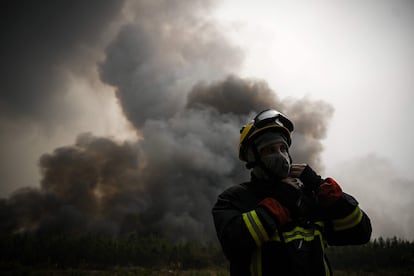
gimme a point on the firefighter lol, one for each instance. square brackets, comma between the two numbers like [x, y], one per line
[281, 221]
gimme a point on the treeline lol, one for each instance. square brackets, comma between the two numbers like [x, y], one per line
[379, 254]
[91, 251]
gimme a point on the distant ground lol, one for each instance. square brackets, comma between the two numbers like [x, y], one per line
[138, 271]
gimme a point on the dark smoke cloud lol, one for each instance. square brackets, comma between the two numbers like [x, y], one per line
[174, 78]
[155, 60]
[247, 96]
[41, 41]
[44, 44]
[311, 119]
[85, 187]
[233, 95]
[164, 184]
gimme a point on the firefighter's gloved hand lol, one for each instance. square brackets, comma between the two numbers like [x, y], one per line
[276, 209]
[299, 201]
[329, 192]
[290, 191]
[294, 182]
[309, 177]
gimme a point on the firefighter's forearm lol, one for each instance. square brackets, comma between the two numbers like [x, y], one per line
[349, 224]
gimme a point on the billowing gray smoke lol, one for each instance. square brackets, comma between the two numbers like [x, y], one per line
[240, 97]
[44, 44]
[40, 41]
[156, 59]
[81, 190]
[173, 77]
[166, 183]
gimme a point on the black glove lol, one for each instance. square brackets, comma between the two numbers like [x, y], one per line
[311, 179]
[293, 195]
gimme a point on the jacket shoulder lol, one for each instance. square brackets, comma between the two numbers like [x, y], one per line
[234, 190]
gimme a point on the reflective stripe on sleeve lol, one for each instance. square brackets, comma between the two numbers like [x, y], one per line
[349, 221]
[256, 263]
[255, 227]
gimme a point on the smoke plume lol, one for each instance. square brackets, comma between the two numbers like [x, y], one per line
[165, 183]
[384, 194]
[41, 41]
[45, 45]
[157, 58]
[175, 77]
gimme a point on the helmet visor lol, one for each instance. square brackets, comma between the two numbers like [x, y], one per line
[272, 116]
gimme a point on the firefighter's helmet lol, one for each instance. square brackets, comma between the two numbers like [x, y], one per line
[266, 120]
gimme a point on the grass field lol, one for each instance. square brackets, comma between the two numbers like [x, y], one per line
[130, 271]
[139, 271]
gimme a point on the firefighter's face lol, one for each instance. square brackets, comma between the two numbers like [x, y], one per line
[276, 158]
[275, 149]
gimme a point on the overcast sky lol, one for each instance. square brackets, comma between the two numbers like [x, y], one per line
[350, 64]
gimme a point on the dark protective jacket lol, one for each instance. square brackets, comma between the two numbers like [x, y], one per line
[255, 243]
